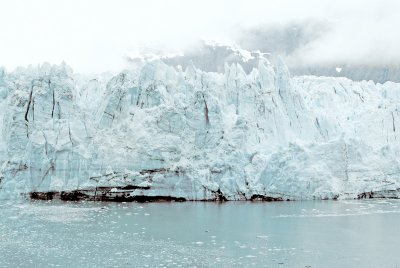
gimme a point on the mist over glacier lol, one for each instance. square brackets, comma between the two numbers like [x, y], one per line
[165, 132]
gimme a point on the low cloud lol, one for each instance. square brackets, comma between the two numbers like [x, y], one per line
[332, 32]
[97, 35]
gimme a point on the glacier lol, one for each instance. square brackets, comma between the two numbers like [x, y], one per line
[159, 132]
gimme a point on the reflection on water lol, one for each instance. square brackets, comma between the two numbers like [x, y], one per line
[195, 234]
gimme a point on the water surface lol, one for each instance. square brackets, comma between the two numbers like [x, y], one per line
[197, 234]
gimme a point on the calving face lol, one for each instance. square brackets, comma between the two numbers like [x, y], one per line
[163, 133]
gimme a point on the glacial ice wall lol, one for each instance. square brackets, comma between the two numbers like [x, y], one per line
[163, 132]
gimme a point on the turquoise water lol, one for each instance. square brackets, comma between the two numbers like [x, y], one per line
[197, 234]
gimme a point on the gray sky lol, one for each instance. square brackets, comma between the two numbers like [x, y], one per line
[97, 35]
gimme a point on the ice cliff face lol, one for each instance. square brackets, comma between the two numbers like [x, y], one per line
[194, 135]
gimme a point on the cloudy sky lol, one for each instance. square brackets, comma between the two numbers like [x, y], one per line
[97, 35]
